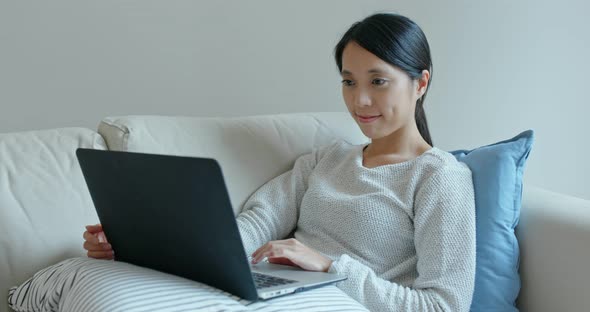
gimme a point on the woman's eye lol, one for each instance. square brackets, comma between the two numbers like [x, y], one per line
[379, 81]
[346, 82]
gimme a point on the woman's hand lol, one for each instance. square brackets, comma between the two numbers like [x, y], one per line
[96, 243]
[292, 252]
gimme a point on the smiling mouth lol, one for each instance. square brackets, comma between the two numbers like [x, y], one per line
[366, 119]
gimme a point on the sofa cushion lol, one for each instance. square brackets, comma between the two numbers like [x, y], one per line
[250, 150]
[44, 202]
[497, 171]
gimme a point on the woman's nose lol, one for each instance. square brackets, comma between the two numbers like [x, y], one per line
[363, 99]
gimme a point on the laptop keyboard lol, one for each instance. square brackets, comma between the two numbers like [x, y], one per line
[264, 281]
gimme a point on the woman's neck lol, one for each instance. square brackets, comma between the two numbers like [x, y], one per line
[397, 145]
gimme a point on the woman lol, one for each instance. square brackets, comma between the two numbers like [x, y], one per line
[397, 216]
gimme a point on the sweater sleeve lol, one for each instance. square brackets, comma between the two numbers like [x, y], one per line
[444, 238]
[271, 213]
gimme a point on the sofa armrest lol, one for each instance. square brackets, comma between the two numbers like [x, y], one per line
[554, 238]
[44, 201]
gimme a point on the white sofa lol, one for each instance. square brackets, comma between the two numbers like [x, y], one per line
[44, 202]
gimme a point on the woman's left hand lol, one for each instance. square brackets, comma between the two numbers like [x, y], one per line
[292, 252]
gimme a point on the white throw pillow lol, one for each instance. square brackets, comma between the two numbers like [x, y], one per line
[84, 284]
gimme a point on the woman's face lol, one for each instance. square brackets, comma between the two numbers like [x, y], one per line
[380, 97]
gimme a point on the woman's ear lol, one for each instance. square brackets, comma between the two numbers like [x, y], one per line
[423, 83]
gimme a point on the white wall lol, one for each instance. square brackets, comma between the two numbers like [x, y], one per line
[500, 67]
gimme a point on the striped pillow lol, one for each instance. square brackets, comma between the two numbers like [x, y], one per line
[84, 284]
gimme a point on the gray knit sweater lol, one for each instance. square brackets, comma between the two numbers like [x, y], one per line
[403, 233]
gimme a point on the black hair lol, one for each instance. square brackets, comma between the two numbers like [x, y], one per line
[398, 41]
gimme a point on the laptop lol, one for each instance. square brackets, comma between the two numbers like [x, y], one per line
[173, 214]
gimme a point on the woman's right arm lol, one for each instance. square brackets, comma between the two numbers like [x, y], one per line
[271, 213]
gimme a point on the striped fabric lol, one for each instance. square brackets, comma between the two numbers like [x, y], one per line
[84, 284]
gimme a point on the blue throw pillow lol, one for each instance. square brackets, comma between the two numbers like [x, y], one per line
[497, 178]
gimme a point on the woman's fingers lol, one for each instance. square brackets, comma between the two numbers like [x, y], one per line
[292, 252]
[101, 237]
[97, 247]
[259, 254]
[275, 249]
[94, 228]
[91, 238]
[96, 243]
[94, 234]
[101, 254]
[282, 260]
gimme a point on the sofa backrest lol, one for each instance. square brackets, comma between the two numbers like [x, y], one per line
[44, 201]
[250, 150]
